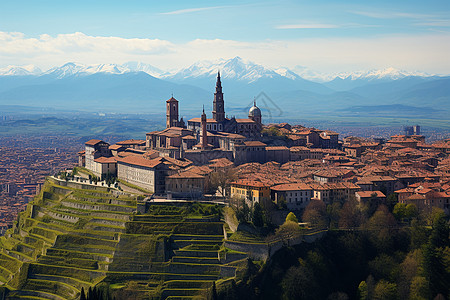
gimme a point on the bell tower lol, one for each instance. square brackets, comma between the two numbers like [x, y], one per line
[172, 113]
[218, 103]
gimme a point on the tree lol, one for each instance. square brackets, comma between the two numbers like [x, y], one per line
[411, 211]
[366, 288]
[257, 216]
[220, 180]
[381, 227]
[350, 215]
[418, 234]
[291, 217]
[288, 229]
[408, 269]
[213, 291]
[436, 257]
[419, 288]
[399, 211]
[362, 290]
[333, 212]
[440, 230]
[281, 202]
[383, 266]
[385, 290]
[299, 283]
[243, 212]
[391, 200]
[371, 205]
[82, 294]
[316, 214]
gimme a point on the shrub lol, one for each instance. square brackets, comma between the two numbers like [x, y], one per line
[291, 217]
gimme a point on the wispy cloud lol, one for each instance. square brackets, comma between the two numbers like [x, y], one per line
[324, 26]
[392, 15]
[436, 23]
[190, 10]
[306, 26]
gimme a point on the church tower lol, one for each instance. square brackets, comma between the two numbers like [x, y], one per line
[218, 104]
[204, 136]
[172, 112]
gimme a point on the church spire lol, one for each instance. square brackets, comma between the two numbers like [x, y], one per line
[218, 103]
[218, 83]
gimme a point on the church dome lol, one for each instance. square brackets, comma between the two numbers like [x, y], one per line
[254, 111]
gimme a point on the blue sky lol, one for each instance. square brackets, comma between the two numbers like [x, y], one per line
[324, 35]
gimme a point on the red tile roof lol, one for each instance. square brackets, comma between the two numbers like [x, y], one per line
[254, 144]
[93, 142]
[369, 194]
[131, 142]
[140, 161]
[245, 121]
[106, 160]
[297, 186]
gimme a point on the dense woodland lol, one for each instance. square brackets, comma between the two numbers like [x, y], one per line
[372, 251]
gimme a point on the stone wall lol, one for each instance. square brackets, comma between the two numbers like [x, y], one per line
[263, 251]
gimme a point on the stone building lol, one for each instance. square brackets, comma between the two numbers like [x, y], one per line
[185, 184]
[93, 150]
[145, 173]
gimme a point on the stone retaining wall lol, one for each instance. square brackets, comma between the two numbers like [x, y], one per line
[263, 251]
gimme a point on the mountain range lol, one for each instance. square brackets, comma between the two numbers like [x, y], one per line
[294, 92]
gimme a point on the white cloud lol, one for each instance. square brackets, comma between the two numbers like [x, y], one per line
[392, 15]
[190, 10]
[427, 53]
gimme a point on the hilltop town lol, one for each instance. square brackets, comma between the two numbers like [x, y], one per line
[274, 164]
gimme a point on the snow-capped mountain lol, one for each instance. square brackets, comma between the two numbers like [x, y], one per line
[235, 68]
[134, 66]
[387, 73]
[285, 72]
[20, 70]
[239, 75]
[76, 69]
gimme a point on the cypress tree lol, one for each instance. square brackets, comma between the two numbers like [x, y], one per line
[82, 294]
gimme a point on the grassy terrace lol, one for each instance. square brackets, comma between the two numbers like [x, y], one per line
[71, 238]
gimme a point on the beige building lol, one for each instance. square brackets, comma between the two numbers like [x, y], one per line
[296, 195]
[145, 173]
[105, 165]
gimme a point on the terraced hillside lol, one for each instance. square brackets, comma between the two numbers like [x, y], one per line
[73, 238]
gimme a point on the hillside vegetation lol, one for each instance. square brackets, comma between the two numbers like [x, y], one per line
[71, 239]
